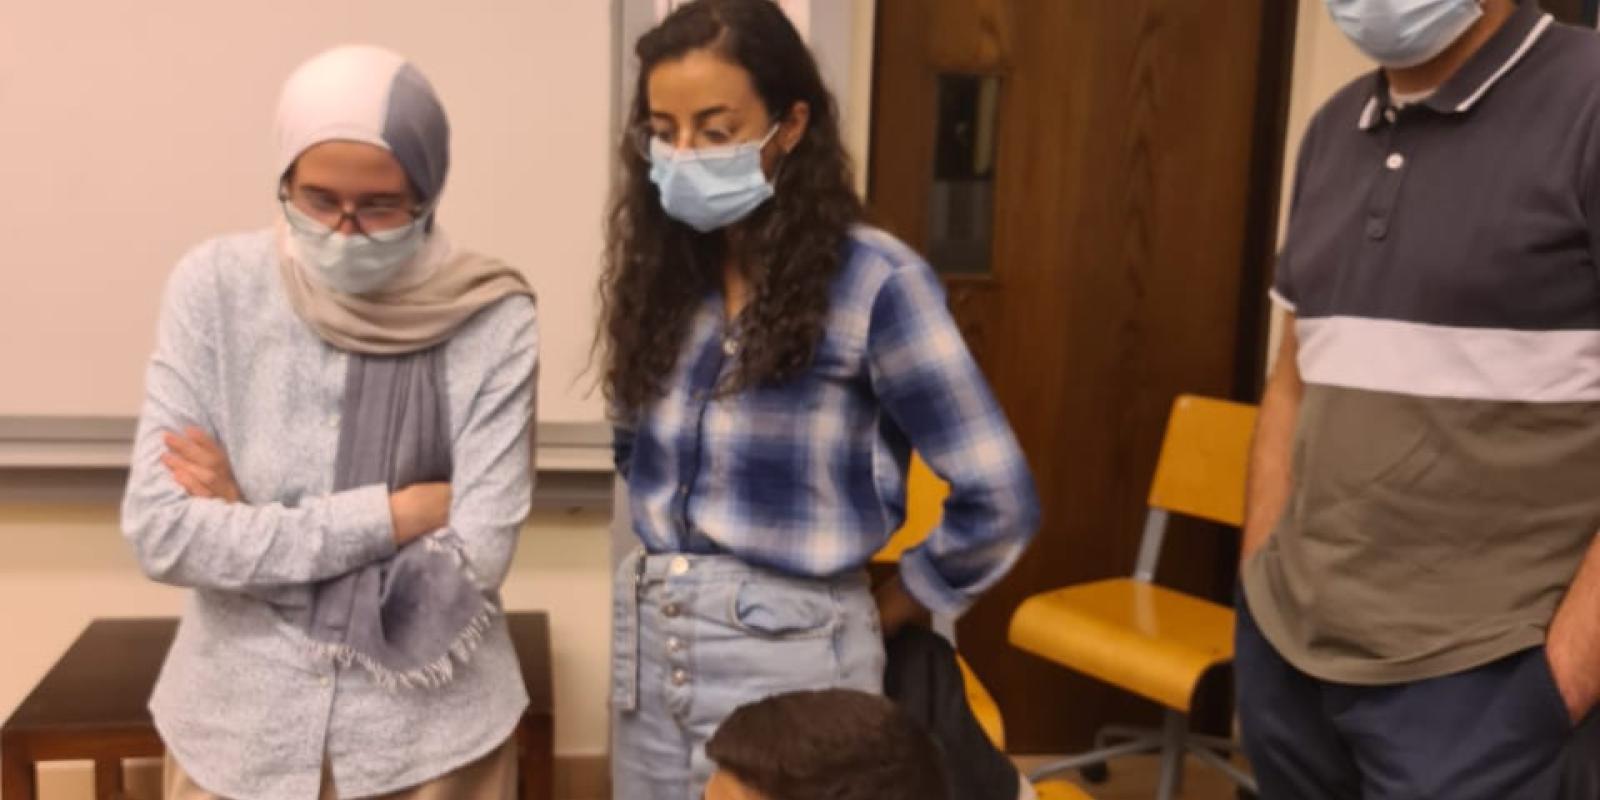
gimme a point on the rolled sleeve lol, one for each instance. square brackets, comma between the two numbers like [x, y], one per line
[930, 386]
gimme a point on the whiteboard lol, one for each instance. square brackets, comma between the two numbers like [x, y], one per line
[130, 132]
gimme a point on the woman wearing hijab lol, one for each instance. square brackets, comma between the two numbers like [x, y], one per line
[334, 454]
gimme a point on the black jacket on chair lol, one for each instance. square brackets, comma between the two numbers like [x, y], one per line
[924, 678]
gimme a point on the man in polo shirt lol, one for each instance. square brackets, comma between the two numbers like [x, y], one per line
[1421, 583]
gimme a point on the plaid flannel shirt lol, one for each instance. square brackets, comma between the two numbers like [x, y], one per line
[808, 477]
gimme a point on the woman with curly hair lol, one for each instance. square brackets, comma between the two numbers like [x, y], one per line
[771, 364]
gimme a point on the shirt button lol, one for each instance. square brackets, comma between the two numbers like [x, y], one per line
[683, 491]
[674, 644]
[333, 421]
[1389, 115]
[730, 346]
[672, 610]
[679, 566]
[324, 681]
[680, 677]
[1395, 161]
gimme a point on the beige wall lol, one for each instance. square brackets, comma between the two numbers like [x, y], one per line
[64, 564]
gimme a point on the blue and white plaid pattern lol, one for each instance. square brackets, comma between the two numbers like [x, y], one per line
[809, 477]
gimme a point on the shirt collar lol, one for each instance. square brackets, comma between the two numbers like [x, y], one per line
[1476, 77]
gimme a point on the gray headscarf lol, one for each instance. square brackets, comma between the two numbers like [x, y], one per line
[367, 94]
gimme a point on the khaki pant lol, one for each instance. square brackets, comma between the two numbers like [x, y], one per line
[493, 777]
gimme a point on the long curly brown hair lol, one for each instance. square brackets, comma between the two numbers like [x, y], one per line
[658, 270]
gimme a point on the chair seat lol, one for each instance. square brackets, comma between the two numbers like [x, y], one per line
[1060, 790]
[1146, 639]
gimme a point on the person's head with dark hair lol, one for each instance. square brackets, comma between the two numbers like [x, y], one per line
[732, 159]
[834, 744]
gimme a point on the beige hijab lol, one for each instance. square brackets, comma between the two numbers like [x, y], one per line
[369, 94]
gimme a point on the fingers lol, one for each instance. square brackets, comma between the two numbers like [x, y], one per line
[200, 472]
[204, 439]
[202, 461]
[200, 452]
[183, 473]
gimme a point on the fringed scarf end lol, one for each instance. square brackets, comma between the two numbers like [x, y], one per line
[430, 676]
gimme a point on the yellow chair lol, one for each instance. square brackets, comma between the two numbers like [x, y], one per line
[1141, 637]
[925, 495]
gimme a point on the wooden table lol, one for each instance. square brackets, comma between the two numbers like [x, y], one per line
[92, 706]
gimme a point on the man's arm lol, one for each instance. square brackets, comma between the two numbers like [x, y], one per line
[1267, 490]
[1573, 645]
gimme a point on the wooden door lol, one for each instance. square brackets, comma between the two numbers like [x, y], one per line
[1097, 181]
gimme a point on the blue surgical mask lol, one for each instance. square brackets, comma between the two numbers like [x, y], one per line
[1404, 33]
[355, 263]
[712, 187]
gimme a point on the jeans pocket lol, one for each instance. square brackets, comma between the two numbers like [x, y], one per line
[773, 609]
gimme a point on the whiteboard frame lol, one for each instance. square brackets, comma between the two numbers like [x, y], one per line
[67, 443]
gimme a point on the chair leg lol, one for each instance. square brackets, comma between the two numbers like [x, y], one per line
[1172, 755]
[1238, 776]
[1147, 744]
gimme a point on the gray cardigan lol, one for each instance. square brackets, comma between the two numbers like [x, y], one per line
[241, 702]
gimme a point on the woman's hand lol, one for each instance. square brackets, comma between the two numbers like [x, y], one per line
[200, 465]
[897, 608]
[418, 510]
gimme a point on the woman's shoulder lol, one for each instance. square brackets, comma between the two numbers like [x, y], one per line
[873, 249]
[498, 329]
[230, 266]
[874, 258]
[511, 313]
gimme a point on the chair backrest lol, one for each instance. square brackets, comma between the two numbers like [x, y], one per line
[925, 495]
[1204, 459]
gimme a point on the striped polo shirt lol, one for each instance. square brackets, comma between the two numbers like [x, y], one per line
[1441, 262]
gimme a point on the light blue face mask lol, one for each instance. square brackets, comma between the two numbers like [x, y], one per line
[353, 263]
[1404, 33]
[712, 187]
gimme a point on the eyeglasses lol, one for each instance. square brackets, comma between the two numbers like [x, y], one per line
[320, 215]
[645, 138]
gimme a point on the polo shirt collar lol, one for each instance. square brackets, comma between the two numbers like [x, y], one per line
[1475, 78]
